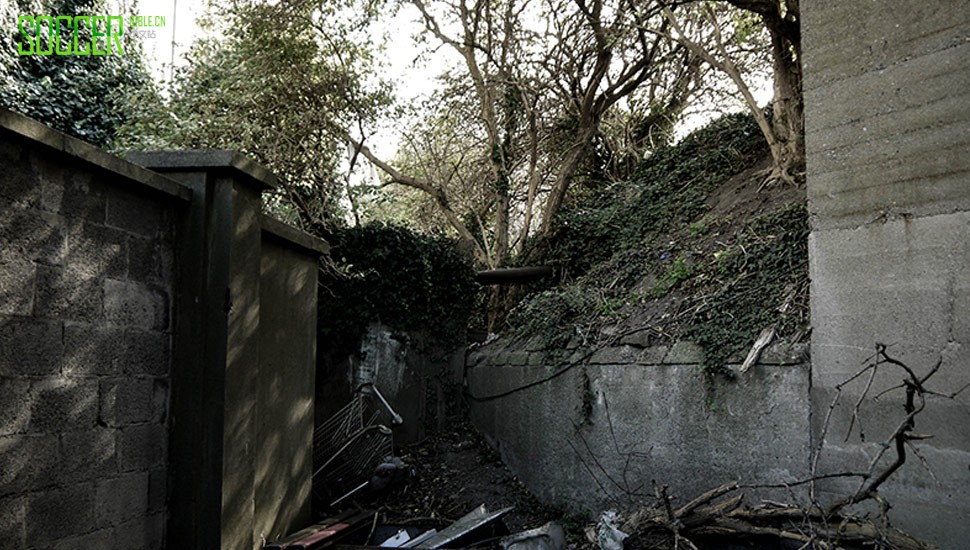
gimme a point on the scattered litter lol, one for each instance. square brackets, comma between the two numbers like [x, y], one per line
[471, 522]
[326, 531]
[608, 535]
[548, 537]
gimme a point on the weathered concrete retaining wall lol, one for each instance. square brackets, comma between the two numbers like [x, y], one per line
[418, 379]
[596, 435]
[86, 287]
[887, 108]
[157, 350]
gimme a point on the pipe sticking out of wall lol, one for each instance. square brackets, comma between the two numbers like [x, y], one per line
[513, 275]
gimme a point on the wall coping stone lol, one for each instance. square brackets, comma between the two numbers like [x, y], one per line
[217, 161]
[292, 236]
[37, 132]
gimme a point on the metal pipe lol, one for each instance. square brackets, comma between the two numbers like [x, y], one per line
[513, 275]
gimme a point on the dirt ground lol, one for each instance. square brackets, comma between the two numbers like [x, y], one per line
[455, 472]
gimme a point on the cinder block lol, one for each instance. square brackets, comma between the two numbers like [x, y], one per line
[17, 280]
[60, 514]
[157, 490]
[122, 499]
[135, 305]
[143, 533]
[29, 347]
[92, 350]
[97, 251]
[12, 511]
[84, 199]
[103, 539]
[30, 234]
[14, 405]
[26, 462]
[63, 293]
[149, 261]
[62, 405]
[142, 447]
[134, 213]
[127, 401]
[147, 353]
[87, 456]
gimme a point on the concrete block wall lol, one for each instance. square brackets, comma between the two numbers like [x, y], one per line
[86, 285]
[887, 109]
[595, 436]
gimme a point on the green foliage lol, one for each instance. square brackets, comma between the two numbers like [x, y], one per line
[283, 86]
[753, 279]
[678, 272]
[405, 280]
[648, 250]
[667, 191]
[84, 96]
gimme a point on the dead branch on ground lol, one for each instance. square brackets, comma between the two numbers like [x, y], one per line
[722, 514]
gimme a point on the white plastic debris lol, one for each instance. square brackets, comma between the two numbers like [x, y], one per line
[608, 535]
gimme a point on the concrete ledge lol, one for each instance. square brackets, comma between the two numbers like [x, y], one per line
[29, 128]
[292, 237]
[208, 160]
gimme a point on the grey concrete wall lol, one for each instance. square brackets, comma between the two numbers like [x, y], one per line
[887, 107]
[285, 384]
[595, 436]
[86, 286]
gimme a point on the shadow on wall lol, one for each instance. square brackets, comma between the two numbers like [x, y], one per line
[84, 355]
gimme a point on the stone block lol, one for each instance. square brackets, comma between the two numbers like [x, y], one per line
[63, 293]
[60, 514]
[26, 462]
[518, 358]
[63, 405]
[149, 261]
[784, 353]
[157, 490]
[144, 533]
[88, 455]
[134, 213]
[641, 339]
[122, 499]
[685, 353]
[30, 234]
[12, 511]
[618, 355]
[653, 355]
[147, 353]
[142, 447]
[92, 350]
[84, 199]
[17, 278]
[14, 405]
[95, 251]
[29, 347]
[134, 305]
[127, 401]
[102, 539]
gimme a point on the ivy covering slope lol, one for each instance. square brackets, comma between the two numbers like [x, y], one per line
[652, 255]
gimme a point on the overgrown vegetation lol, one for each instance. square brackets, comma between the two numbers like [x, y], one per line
[649, 254]
[402, 279]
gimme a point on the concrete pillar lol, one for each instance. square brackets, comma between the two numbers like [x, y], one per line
[216, 358]
[887, 113]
